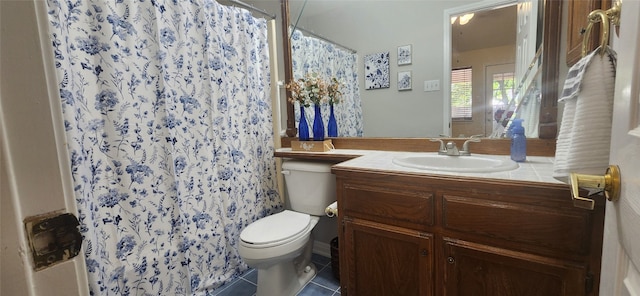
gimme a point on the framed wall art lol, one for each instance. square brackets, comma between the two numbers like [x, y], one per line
[404, 55]
[404, 80]
[376, 70]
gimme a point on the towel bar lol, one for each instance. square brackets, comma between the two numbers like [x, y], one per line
[611, 15]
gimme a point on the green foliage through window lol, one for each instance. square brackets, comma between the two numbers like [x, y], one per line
[503, 88]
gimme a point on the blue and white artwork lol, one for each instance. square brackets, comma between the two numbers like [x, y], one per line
[404, 80]
[376, 70]
[404, 55]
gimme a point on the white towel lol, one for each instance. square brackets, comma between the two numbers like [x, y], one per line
[585, 131]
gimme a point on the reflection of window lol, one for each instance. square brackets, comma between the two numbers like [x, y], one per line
[461, 96]
[503, 89]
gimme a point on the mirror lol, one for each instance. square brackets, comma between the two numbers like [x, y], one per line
[495, 61]
[414, 113]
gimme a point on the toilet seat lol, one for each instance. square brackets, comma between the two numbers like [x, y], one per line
[276, 229]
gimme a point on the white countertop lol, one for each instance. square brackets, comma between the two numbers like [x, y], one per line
[534, 169]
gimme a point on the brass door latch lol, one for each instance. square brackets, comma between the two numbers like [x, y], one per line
[610, 183]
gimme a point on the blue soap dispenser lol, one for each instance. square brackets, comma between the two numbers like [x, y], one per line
[518, 141]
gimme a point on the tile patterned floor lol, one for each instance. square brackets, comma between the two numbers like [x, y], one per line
[322, 284]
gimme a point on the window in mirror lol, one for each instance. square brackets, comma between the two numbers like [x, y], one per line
[461, 93]
[503, 89]
[502, 85]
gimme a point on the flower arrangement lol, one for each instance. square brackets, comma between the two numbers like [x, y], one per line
[312, 89]
[333, 91]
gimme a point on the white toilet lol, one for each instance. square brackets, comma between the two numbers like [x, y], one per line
[279, 246]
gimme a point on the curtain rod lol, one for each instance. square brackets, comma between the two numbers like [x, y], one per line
[251, 7]
[325, 39]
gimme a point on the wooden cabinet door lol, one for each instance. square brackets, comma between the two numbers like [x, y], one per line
[478, 270]
[576, 25]
[386, 260]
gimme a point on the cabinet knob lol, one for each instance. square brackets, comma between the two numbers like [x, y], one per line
[424, 252]
[451, 260]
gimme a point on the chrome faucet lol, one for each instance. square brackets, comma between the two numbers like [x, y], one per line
[452, 150]
[448, 149]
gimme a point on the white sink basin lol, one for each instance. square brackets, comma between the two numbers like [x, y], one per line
[461, 164]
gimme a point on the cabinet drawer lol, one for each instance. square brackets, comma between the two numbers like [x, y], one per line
[560, 230]
[405, 208]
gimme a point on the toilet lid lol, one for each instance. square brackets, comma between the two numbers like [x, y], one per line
[275, 228]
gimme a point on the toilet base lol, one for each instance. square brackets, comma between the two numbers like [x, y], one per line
[283, 279]
[287, 277]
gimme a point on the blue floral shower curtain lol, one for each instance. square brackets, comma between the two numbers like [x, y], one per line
[168, 123]
[312, 55]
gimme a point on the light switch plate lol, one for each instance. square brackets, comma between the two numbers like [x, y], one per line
[432, 85]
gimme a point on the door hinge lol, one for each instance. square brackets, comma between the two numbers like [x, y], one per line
[588, 284]
[53, 238]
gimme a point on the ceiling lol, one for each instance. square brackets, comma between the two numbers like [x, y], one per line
[489, 28]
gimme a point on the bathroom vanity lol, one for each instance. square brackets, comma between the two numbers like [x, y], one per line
[406, 231]
[423, 233]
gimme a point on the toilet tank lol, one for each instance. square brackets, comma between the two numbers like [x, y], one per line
[310, 186]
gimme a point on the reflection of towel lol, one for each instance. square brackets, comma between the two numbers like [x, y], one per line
[585, 131]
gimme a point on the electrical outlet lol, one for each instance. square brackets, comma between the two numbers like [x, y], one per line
[432, 85]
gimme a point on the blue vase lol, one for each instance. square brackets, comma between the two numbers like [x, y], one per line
[318, 125]
[332, 126]
[303, 126]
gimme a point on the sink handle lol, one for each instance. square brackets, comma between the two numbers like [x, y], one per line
[442, 149]
[465, 146]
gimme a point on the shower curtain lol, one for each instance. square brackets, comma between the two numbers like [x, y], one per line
[312, 55]
[168, 124]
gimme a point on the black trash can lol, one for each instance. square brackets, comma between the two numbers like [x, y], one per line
[335, 259]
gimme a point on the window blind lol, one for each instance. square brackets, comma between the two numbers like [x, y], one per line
[461, 93]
